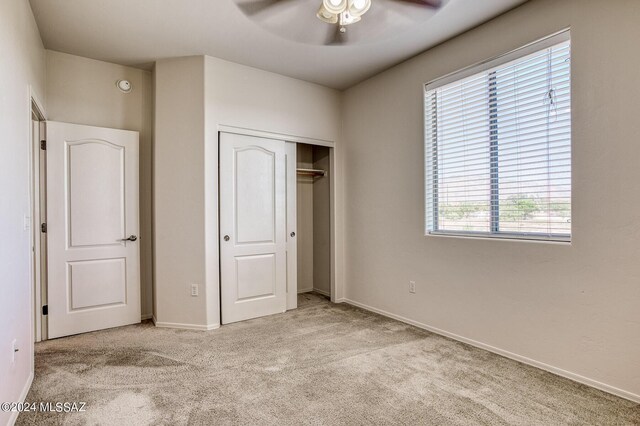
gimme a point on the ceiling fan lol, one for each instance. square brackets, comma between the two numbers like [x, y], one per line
[338, 14]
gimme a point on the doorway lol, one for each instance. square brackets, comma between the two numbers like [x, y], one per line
[313, 217]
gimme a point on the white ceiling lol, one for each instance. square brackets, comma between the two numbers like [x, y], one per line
[138, 32]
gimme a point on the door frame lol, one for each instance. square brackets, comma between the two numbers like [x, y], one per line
[37, 209]
[332, 193]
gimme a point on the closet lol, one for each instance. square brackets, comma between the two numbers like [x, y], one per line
[313, 219]
[275, 224]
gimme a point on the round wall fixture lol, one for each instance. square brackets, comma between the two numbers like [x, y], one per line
[124, 86]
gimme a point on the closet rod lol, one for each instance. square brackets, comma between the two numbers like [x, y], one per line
[311, 172]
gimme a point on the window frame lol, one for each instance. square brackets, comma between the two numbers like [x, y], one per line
[531, 48]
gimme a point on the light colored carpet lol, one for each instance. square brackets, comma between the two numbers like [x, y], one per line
[322, 364]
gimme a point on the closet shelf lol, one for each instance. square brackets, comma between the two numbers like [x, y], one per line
[311, 172]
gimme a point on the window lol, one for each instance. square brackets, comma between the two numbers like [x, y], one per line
[498, 146]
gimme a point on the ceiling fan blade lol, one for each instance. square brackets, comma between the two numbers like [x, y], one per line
[336, 37]
[253, 7]
[435, 4]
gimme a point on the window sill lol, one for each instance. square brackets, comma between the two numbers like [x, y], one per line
[556, 239]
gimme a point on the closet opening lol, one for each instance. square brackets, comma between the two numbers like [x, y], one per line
[276, 223]
[313, 214]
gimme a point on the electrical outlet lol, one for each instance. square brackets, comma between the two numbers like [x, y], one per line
[14, 350]
[194, 290]
[412, 287]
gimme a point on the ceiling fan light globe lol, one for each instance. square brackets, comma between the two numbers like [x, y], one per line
[335, 6]
[359, 4]
[359, 7]
[326, 16]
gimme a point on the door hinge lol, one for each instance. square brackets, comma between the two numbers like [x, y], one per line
[43, 145]
[43, 228]
[45, 309]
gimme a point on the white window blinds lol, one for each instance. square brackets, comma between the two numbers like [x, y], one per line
[498, 146]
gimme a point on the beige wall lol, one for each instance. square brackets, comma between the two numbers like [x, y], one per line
[573, 307]
[83, 91]
[22, 64]
[179, 183]
[186, 165]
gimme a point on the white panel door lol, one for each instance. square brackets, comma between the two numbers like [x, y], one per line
[292, 210]
[252, 227]
[92, 228]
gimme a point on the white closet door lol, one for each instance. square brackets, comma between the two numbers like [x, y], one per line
[92, 228]
[292, 209]
[253, 245]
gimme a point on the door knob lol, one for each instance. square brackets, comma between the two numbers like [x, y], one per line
[293, 234]
[226, 238]
[131, 238]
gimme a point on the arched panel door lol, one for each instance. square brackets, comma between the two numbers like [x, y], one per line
[92, 228]
[252, 227]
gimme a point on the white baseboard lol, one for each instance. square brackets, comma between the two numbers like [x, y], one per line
[23, 396]
[305, 290]
[541, 365]
[198, 327]
[322, 292]
[144, 317]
